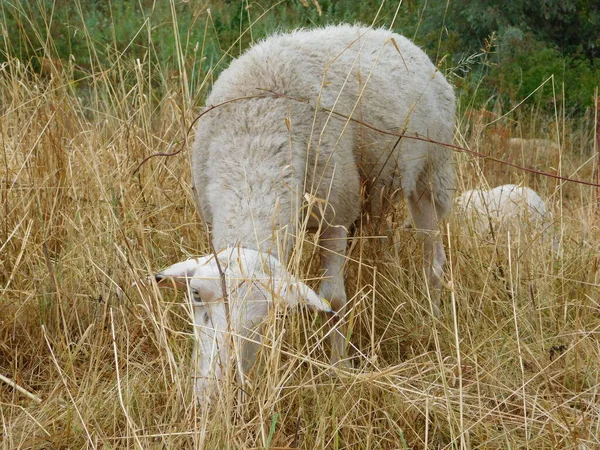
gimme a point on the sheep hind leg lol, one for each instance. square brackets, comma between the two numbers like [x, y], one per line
[425, 217]
[333, 241]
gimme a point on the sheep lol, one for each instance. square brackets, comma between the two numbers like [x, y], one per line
[506, 208]
[537, 153]
[532, 145]
[287, 143]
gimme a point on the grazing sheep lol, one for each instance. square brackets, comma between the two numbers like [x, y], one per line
[505, 208]
[537, 153]
[532, 145]
[283, 157]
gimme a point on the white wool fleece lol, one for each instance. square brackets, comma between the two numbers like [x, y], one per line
[507, 207]
[254, 159]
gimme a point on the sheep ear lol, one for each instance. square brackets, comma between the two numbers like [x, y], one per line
[178, 273]
[295, 293]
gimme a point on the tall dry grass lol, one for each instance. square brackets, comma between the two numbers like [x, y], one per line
[91, 362]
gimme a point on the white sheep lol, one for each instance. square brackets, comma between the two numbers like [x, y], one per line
[538, 153]
[504, 208]
[533, 145]
[286, 138]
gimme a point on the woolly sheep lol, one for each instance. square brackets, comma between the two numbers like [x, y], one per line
[537, 153]
[282, 157]
[532, 145]
[507, 207]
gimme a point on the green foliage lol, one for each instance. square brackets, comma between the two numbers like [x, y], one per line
[525, 65]
[96, 35]
[569, 25]
[525, 42]
[534, 40]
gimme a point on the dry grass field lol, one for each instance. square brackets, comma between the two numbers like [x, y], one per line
[88, 361]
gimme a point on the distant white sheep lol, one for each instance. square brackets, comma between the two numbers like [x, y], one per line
[504, 208]
[533, 145]
[283, 157]
[537, 153]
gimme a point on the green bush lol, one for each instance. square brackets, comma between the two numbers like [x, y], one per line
[520, 51]
[526, 66]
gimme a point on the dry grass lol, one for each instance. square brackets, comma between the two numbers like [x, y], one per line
[513, 362]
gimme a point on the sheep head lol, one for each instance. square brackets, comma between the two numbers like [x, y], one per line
[254, 283]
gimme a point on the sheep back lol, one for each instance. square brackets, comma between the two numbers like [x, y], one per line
[258, 156]
[506, 207]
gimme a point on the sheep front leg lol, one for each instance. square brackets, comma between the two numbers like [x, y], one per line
[333, 241]
[424, 215]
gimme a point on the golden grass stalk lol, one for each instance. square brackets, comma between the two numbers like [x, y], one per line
[88, 361]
